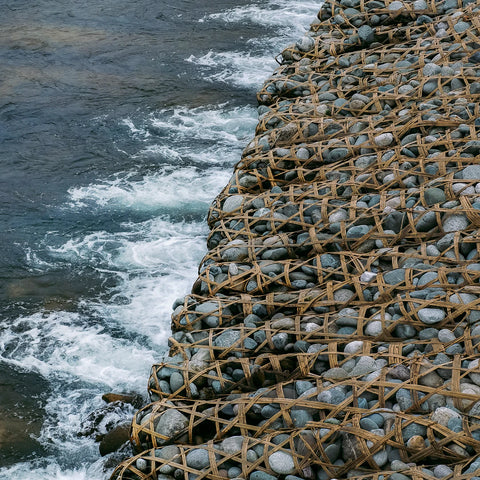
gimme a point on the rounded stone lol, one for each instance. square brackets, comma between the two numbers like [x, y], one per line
[198, 458]
[396, 5]
[281, 463]
[141, 464]
[232, 203]
[472, 172]
[176, 381]
[305, 44]
[170, 422]
[442, 415]
[441, 471]
[383, 140]
[446, 336]
[343, 295]
[374, 328]
[232, 444]
[431, 316]
[431, 69]
[434, 195]
[455, 223]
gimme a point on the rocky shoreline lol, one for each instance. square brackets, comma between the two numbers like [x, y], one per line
[334, 328]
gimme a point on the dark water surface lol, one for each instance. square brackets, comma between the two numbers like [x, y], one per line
[119, 122]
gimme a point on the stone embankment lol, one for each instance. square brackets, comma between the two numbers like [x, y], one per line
[334, 328]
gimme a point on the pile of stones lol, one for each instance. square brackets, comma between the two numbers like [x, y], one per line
[334, 328]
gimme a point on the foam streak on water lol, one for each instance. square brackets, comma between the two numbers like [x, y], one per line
[287, 21]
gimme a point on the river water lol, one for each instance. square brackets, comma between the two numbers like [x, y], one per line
[119, 123]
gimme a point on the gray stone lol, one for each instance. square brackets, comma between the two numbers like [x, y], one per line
[366, 34]
[305, 44]
[446, 336]
[301, 386]
[336, 373]
[227, 339]
[198, 458]
[381, 458]
[426, 222]
[302, 154]
[475, 375]
[234, 472]
[338, 154]
[259, 475]
[167, 453]
[404, 399]
[473, 146]
[170, 423]
[176, 381]
[328, 260]
[399, 476]
[236, 250]
[441, 471]
[232, 203]
[431, 69]
[455, 223]
[431, 316]
[301, 418]
[398, 465]
[358, 231]
[280, 340]
[207, 307]
[443, 415]
[281, 463]
[461, 27]
[394, 277]
[141, 464]
[383, 140]
[364, 365]
[332, 451]
[462, 298]
[435, 195]
[374, 328]
[427, 278]
[420, 5]
[396, 5]
[472, 172]
[413, 429]
[233, 444]
[368, 424]
[343, 295]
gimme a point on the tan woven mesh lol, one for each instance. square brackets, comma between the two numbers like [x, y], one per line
[334, 328]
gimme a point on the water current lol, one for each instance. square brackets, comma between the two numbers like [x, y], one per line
[119, 123]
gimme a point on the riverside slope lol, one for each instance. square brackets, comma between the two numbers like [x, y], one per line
[333, 331]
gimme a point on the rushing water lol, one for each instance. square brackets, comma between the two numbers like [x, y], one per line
[119, 122]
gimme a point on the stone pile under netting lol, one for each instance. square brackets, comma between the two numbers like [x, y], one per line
[334, 328]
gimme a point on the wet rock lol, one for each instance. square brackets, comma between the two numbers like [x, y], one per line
[114, 439]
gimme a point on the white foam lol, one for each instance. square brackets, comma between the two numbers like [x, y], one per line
[237, 68]
[155, 261]
[222, 124]
[296, 16]
[64, 344]
[52, 471]
[187, 189]
[250, 67]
